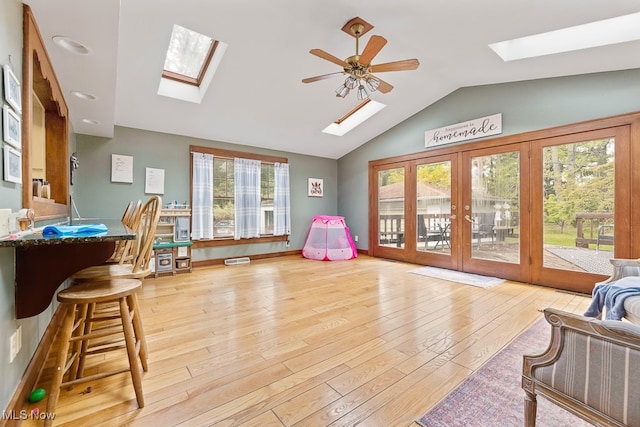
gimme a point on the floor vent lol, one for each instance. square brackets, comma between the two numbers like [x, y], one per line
[234, 261]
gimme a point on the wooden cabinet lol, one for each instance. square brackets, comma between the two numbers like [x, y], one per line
[172, 248]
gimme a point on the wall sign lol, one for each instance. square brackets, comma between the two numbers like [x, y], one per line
[154, 181]
[121, 168]
[476, 128]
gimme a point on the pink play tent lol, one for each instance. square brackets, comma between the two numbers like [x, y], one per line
[329, 240]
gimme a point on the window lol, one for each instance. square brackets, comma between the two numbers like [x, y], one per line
[223, 198]
[224, 203]
[267, 182]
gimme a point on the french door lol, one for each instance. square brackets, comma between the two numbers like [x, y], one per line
[495, 201]
[436, 214]
[580, 183]
[549, 210]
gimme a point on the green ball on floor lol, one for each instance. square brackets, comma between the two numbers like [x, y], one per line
[37, 395]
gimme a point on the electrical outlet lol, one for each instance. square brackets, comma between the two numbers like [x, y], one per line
[356, 237]
[286, 245]
[15, 343]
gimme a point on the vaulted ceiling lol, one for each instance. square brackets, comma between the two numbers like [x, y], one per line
[257, 97]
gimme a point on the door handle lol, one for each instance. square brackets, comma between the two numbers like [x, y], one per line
[468, 218]
[453, 216]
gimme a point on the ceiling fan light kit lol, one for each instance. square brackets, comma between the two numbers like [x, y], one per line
[358, 67]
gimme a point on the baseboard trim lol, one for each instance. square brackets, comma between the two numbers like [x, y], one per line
[220, 261]
[34, 369]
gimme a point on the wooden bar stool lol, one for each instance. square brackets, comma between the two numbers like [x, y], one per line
[86, 332]
[138, 267]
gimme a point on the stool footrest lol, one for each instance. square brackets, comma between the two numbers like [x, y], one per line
[93, 377]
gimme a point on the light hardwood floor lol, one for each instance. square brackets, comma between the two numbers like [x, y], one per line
[291, 341]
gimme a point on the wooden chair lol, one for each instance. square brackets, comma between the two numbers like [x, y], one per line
[591, 368]
[87, 335]
[140, 266]
[605, 235]
[124, 251]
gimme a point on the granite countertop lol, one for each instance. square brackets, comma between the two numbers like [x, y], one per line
[116, 231]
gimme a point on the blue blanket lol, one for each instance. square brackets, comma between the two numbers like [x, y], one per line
[74, 230]
[611, 297]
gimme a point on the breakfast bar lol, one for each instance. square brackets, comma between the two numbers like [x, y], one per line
[43, 263]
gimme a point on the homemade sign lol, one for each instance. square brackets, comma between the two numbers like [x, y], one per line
[476, 128]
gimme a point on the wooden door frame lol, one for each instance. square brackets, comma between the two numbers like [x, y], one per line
[377, 250]
[632, 222]
[571, 280]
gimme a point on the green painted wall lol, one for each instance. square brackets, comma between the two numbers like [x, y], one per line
[96, 196]
[11, 197]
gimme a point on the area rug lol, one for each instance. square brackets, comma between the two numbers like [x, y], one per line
[458, 276]
[492, 396]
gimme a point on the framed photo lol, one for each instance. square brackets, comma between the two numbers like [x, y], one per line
[12, 165]
[12, 92]
[315, 188]
[11, 129]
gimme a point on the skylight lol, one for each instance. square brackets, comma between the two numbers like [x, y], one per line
[188, 55]
[192, 59]
[600, 33]
[354, 117]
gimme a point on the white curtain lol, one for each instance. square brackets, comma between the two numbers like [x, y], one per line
[281, 207]
[247, 198]
[202, 193]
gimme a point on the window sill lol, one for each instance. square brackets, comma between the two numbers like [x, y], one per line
[231, 242]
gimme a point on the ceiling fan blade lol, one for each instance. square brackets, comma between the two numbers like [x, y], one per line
[324, 55]
[374, 45]
[407, 64]
[321, 77]
[384, 87]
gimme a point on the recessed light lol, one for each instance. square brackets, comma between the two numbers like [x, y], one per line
[71, 45]
[90, 121]
[83, 95]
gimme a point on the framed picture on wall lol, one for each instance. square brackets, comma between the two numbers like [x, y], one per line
[315, 188]
[12, 89]
[154, 181]
[121, 168]
[11, 129]
[12, 165]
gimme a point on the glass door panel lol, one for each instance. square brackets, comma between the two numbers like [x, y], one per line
[578, 199]
[391, 208]
[433, 207]
[495, 207]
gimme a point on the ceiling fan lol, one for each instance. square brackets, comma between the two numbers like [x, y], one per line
[358, 67]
